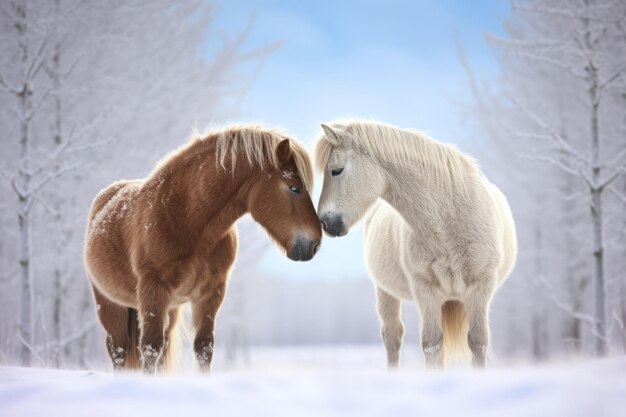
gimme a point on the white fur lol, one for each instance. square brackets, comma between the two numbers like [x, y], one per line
[437, 229]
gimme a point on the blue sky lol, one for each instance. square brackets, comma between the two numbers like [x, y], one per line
[394, 61]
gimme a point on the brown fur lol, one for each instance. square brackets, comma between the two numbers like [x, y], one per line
[154, 244]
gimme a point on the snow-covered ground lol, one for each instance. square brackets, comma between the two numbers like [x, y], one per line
[322, 382]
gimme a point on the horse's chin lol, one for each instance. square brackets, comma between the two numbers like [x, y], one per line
[340, 233]
[298, 259]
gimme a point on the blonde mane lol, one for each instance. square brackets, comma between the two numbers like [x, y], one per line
[404, 147]
[256, 144]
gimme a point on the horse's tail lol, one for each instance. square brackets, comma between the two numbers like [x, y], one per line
[133, 359]
[170, 358]
[455, 327]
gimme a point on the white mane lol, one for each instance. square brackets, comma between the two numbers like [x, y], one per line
[444, 163]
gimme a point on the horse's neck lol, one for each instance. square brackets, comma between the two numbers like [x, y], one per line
[419, 198]
[209, 197]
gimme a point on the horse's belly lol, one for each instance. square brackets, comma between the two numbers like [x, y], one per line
[402, 265]
[383, 250]
[109, 272]
[116, 284]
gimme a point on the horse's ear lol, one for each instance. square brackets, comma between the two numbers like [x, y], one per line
[283, 152]
[331, 135]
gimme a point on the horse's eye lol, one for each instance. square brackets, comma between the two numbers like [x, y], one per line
[336, 172]
[294, 190]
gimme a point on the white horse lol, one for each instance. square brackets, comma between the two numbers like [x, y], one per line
[437, 231]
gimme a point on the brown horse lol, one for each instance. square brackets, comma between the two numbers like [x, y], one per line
[154, 244]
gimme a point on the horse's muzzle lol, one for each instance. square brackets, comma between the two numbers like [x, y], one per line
[333, 224]
[303, 249]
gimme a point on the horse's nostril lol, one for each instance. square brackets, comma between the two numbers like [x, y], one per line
[324, 225]
[315, 248]
[298, 256]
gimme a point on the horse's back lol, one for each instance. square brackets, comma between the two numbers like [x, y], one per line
[385, 235]
[112, 203]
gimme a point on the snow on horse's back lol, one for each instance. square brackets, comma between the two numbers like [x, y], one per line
[154, 244]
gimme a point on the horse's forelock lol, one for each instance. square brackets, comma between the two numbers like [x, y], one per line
[323, 147]
[258, 146]
[303, 163]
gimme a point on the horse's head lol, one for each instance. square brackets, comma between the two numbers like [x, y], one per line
[352, 181]
[281, 203]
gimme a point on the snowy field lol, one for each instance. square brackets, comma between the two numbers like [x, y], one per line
[322, 382]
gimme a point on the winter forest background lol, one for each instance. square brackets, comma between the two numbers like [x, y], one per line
[92, 92]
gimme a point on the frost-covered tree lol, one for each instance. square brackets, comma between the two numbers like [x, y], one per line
[91, 92]
[559, 102]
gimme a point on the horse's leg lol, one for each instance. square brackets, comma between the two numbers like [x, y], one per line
[203, 313]
[432, 333]
[114, 319]
[477, 310]
[392, 329]
[153, 316]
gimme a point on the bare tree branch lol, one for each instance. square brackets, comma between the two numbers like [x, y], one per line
[575, 196]
[32, 350]
[541, 137]
[515, 43]
[612, 177]
[569, 12]
[45, 205]
[93, 145]
[53, 175]
[563, 144]
[468, 71]
[616, 75]
[74, 137]
[545, 10]
[40, 103]
[616, 160]
[555, 62]
[75, 335]
[564, 307]
[527, 135]
[11, 179]
[617, 194]
[548, 48]
[557, 163]
[620, 322]
[36, 63]
[8, 87]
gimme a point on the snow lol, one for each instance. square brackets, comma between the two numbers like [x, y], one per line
[323, 382]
